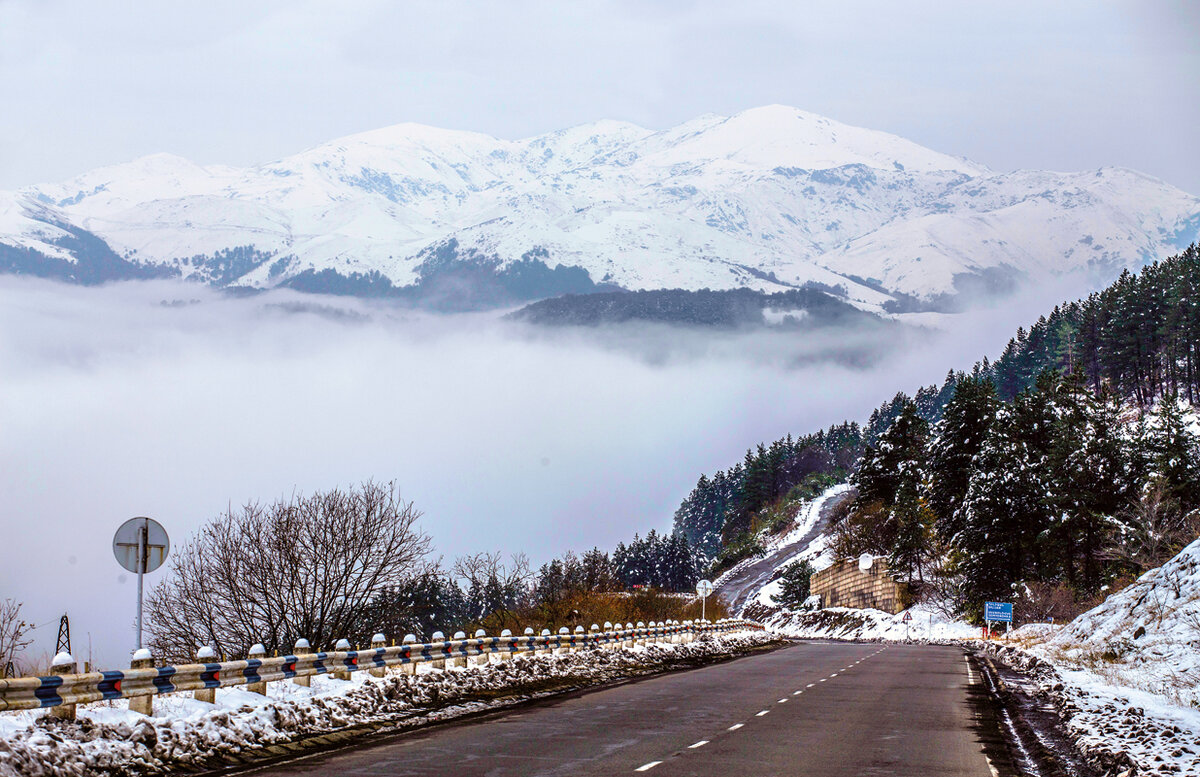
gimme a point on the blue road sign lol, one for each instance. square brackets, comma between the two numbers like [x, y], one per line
[997, 612]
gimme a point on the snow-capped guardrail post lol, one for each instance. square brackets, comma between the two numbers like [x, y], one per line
[640, 634]
[302, 648]
[346, 661]
[439, 639]
[461, 659]
[577, 639]
[529, 634]
[63, 664]
[143, 703]
[508, 645]
[378, 642]
[483, 657]
[257, 653]
[410, 666]
[207, 656]
[563, 646]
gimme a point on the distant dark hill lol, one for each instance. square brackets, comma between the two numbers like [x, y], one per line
[800, 309]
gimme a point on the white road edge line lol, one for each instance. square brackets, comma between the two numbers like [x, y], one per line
[760, 714]
[701, 743]
[782, 701]
[810, 685]
[797, 693]
[647, 767]
[735, 726]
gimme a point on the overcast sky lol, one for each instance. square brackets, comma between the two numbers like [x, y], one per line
[1062, 85]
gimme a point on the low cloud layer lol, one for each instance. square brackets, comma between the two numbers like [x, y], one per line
[169, 401]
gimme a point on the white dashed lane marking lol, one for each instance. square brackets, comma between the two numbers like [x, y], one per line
[647, 767]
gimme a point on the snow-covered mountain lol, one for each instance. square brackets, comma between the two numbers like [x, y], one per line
[768, 199]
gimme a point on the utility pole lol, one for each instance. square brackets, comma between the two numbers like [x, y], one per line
[63, 644]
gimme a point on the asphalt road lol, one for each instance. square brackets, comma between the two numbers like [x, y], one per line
[807, 709]
[749, 580]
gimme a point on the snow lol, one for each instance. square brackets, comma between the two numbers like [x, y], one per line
[187, 734]
[701, 205]
[926, 624]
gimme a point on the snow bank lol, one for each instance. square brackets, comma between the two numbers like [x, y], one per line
[926, 624]
[1145, 637]
[1125, 675]
[1119, 730]
[188, 734]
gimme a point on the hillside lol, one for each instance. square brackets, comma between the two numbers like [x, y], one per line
[769, 199]
[1064, 469]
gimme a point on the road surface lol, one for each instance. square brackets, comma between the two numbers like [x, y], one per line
[807, 709]
[749, 580]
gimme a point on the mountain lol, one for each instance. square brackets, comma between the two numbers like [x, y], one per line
[769, 199]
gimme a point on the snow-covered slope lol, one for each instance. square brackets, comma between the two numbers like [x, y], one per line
[1146, 636]
[768, 198]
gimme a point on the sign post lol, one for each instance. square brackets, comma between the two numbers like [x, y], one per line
[998, 612]
[907, 624]
[141, 545]
[703, 589]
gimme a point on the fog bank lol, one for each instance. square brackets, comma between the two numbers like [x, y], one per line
[171, 401]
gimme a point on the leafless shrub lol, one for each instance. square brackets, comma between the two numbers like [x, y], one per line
[307, 567]
[1152, 530]
[1038, 602]
[14, 633]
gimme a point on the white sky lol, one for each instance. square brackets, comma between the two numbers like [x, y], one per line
[1063, 85]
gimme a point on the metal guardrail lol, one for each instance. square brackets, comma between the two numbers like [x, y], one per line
[25, 693]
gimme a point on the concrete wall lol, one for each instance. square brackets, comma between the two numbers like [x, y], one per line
[845, 585]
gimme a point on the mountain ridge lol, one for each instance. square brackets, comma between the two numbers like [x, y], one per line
[767, 199]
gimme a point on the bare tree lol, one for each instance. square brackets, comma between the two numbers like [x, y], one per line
[495, 588]
[308, 567]
[14, 633]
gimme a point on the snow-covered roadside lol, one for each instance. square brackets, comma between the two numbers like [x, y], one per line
[1125, 675]
[1120, 731]
[188, 734]
[925, 624]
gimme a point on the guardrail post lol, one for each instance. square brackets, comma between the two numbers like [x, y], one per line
[438, 638]
[483, 657]
[595, 636]
[547, 647]
[206, 655]
[378, 641]
[63, 664]
[302, 648]
[562, 632]
[640, 634]
[629, 636]
[528, 633]
[507, 645]
[608, 629]
[342, 646]
[143, 704]
[578, 642]
[257, 652]
[411, 666]
[460, 637]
